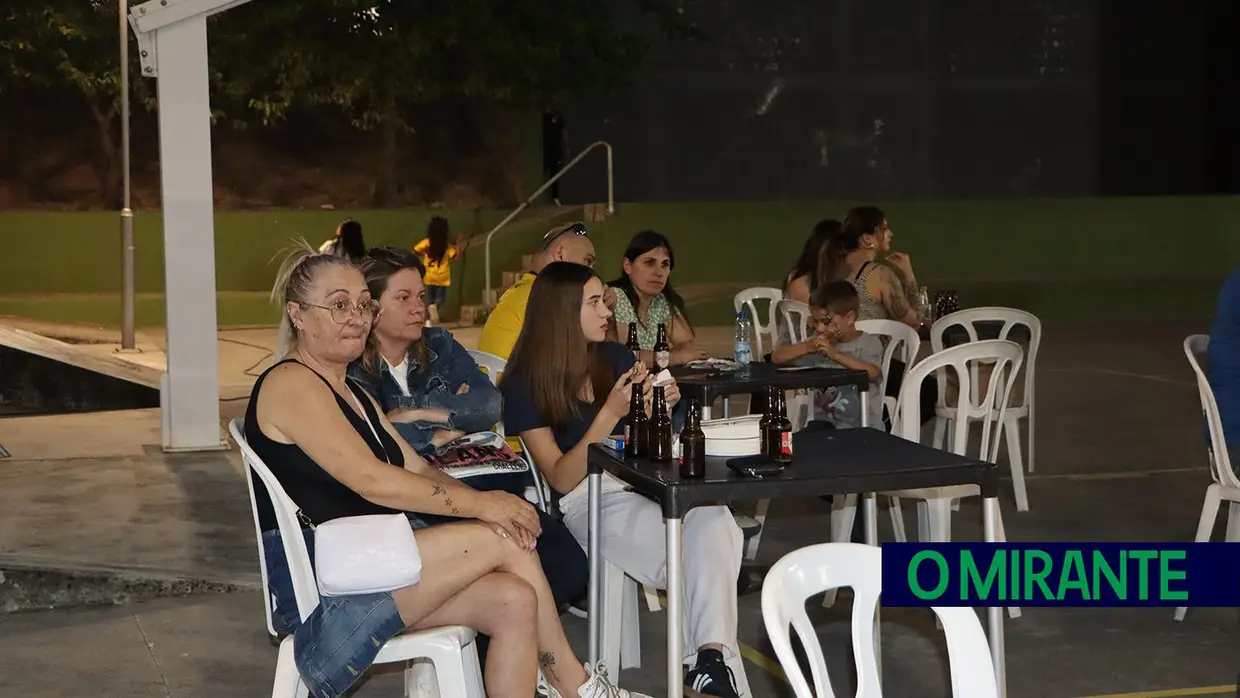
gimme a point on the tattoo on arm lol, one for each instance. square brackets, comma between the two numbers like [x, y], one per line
[438, 490]
[897, 305]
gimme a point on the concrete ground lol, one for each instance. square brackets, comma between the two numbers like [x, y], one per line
[1119, 457]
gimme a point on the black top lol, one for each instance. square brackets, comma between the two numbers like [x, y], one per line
[828, 461]
[521, 412]
[320, 496]
[707, 384]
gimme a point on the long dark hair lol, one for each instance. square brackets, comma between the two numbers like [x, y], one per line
[437, 233]
[642, 243]
[351, 242]
[860, 221]
[812, 254]
[552, 356]
[379, 265]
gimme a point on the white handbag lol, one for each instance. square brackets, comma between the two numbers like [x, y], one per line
[366, 554]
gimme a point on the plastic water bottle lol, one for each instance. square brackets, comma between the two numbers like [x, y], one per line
[740, 344]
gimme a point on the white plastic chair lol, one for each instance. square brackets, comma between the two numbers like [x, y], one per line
[748, 300]
[1226, 486]
[1011, 318]
[795, 316]
[901, 339]
[622, 640]
[830, 566]
[935, 504]
[450, 649]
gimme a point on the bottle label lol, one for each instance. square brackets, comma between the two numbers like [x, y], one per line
[662, 359]
[785, 443]
[740, 352]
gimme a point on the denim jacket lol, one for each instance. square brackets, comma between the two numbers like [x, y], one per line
[435, 385]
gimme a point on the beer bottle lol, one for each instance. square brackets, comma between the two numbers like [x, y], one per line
[635, 432]
[634, 345]
[779, 432]
[693, 443]
[768, 405]
[662, 350]
[659, 429]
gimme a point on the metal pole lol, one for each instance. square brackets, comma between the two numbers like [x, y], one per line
[127, 271]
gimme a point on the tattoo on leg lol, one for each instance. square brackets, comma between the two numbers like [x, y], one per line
[547, 661]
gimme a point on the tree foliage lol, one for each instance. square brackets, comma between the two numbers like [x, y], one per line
[372, 59]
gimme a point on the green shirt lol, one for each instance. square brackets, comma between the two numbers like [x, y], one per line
[660, 313]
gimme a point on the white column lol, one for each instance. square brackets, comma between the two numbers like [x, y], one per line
[191, 400]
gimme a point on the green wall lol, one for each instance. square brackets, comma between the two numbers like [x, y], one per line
[1061, 258]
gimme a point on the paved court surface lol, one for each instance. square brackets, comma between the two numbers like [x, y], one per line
[1120, 457]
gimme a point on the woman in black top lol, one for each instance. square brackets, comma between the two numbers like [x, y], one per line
[337, 455]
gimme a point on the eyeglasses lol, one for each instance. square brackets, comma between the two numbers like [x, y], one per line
[554, 234]
[342, 311]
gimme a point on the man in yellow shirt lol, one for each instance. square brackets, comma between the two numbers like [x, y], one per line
[565, 243]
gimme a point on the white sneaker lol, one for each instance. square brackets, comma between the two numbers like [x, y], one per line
[599, 686]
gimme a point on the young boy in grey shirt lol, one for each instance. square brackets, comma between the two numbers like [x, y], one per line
[837, 343]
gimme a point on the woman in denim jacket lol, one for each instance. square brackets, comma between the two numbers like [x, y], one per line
[437, 392]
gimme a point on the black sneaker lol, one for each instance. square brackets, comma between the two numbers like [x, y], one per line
[711, 676]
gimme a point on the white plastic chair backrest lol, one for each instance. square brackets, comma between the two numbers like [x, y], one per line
[305, 588]
[1195, 348]
[541, 488]
[818, 568]
[901, 339]
[796, 319]
[1011, 318]
[493, 366]
[268, 601]
[748, 300]
[1006, 356]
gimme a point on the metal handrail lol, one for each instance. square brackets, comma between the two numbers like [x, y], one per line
[611, 203]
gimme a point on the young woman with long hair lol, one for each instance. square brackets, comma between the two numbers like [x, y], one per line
[887, 291]
[802, 279]
[568, 387]
[644, 295]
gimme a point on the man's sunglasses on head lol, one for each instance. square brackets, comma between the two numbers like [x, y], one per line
[556, 234]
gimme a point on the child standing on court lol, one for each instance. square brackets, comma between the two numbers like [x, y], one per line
[436, 253]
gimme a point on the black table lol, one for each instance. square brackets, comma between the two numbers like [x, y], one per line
[845, 461]
[708, 384]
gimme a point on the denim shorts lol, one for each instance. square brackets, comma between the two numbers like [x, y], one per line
[342, 636]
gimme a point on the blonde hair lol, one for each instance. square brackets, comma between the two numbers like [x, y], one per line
[294, 279]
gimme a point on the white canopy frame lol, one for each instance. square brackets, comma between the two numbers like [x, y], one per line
[172, 42]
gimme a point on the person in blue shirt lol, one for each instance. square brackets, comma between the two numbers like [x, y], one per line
[1223, 367]
[567, 387]
[433, 391]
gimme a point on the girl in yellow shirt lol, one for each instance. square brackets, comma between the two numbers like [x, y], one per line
[436, 253]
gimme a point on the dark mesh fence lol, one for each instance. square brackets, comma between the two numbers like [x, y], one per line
[874, 99]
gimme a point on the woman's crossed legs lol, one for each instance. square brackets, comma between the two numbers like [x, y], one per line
[472, 577]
